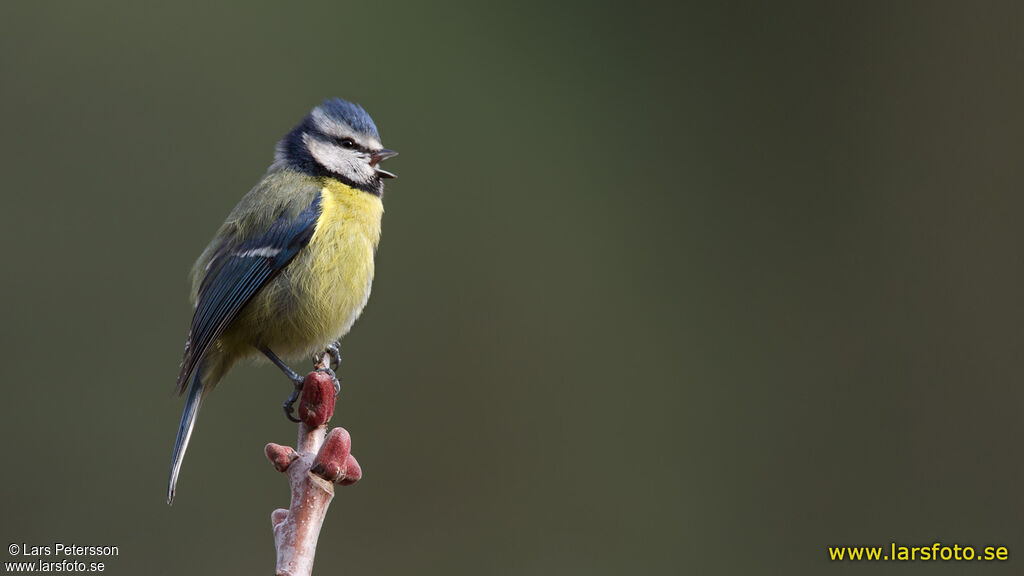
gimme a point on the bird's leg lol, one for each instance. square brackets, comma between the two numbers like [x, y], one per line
[332, 351]
[289, 404]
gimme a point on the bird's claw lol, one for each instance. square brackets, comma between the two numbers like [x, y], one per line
[289, 404]
[334, 351]
[334, 378]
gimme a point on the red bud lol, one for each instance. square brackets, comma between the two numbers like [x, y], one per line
[353, 472]
[330, 462]
[317, 404]
[280, 456]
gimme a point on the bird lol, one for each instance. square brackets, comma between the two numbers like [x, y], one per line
[291, 268]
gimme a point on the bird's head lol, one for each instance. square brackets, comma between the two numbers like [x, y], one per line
[337, 138]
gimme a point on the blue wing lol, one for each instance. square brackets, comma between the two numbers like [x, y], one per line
[236, 274]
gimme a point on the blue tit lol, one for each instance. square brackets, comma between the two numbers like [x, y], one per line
[290, 270]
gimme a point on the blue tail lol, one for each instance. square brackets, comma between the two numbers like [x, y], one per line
[188, 421]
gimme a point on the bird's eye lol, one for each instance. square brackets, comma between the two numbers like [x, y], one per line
[347, 143]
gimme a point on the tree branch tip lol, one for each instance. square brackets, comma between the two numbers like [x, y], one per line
[320, 460]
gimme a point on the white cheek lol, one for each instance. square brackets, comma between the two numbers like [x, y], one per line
[339, 161]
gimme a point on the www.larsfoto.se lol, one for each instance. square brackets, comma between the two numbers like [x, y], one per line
[936, 552]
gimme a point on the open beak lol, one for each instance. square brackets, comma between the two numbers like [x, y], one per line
[379, 156]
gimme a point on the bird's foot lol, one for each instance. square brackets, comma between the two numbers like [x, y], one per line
[334, 377]
[289, 404]
[331, 350]
[334, 351]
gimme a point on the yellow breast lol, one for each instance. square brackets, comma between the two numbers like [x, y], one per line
[341, 256]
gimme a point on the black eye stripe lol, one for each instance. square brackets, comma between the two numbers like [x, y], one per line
[341, 141]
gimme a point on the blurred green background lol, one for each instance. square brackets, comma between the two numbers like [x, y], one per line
[662, 288]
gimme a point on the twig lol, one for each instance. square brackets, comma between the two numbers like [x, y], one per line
[321, 461]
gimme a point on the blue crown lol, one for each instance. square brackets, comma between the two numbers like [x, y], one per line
[351, 114]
